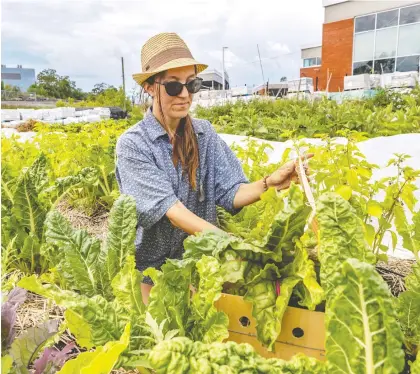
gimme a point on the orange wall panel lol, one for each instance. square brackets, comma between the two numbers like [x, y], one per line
[337, 55]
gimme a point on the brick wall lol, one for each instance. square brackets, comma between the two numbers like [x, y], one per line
[337, 52]
[312, 73]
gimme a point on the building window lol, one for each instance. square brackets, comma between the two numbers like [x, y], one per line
[363, 46]
[365, 23]
[410, 14]
[387, 19]
[410, 63]
[363, 67]
[384, 66]
[409, 40]
[387, 41]
[313, 61]
[11, 76]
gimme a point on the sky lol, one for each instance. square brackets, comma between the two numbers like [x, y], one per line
[86, 39]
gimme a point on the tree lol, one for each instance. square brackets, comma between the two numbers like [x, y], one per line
[99, 88]
[50, 84]
[283, 79]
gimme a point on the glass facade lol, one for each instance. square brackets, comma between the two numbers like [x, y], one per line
[388, 41]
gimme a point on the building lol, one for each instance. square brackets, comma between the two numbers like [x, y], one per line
[213, 79]
[18, 76]
[271, 89]
[363, 37]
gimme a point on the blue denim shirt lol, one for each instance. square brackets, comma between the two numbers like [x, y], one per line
[144, 170]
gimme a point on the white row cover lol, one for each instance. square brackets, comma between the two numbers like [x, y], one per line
[55, 115]
[377, 151]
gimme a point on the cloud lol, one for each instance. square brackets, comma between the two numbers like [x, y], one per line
[231, 59]
[277, 47]
[86, 39]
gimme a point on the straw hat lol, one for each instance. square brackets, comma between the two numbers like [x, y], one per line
[162, 52]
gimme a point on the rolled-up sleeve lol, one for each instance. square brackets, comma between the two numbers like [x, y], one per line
[229, 175]
[137, 175]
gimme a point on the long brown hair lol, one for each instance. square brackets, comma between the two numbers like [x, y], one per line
[185, 145]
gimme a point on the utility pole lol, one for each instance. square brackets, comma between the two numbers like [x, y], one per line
[262, 71]
[223, 67]
[123, 79]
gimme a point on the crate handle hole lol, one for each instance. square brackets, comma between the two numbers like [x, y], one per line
[297, 332]
[244, 321]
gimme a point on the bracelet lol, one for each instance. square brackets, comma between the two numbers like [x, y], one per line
[265, 183]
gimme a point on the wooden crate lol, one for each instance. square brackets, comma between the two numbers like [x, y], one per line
[302, 330]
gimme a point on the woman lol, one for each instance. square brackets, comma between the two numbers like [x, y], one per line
[177, 168]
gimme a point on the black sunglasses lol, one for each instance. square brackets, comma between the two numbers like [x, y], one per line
[174, 88]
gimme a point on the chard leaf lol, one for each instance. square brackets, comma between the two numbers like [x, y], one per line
[362, 336]
[26, 207]
[102, 360]
[121, 235]
[261, 292]
[341, 236]
[310, 292]
[105, 321]
[27, 345]
[232, 267]
[210, 243]
[38, 173]
[208, 325]
[415, 366]
[31, 250]
[408, 309]
[80, 328]
[81, 252]
[127, 290]
[6, 364]
[288, 224]
[170, 296]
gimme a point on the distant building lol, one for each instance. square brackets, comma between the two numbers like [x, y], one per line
[272, 89]
[213, 79]
[363, 37]
[18, 76]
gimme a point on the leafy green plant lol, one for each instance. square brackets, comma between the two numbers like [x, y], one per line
[100, 361]
[408, 310]
[384, 115]
[181, 355]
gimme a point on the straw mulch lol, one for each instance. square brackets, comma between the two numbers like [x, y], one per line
[96, 225]
[394, 272]
[36, 310]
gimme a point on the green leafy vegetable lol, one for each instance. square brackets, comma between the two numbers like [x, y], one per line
[362, 336]
[102, 360]
[208, 325]
[408, 310]
[341, 237]
[181, 355]
[25, 347]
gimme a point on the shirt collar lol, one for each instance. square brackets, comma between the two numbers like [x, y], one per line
[155, 129]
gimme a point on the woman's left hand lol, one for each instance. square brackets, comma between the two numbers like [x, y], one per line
[286, 174]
